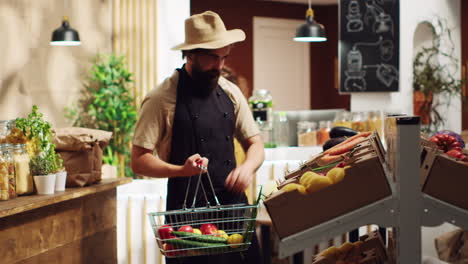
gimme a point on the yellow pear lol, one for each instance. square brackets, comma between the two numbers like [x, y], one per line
[336, 174]
[318, 183]
[290, 187]
[307, 177]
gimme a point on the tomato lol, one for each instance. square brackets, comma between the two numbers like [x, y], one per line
[165, 232]
[169, 249]
[456, 154]
[185, 228]
[209, 229]
[445, 142]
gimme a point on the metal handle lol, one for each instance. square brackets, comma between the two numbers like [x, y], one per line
[200, 165]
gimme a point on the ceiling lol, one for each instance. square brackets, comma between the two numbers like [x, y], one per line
[313, 2]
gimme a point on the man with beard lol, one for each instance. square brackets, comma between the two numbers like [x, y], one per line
[193, 117]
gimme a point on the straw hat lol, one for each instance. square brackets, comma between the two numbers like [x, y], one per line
[207, 31]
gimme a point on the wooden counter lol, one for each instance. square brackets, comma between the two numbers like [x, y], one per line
[74, 226]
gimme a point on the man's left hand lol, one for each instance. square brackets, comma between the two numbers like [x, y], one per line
[239, 178]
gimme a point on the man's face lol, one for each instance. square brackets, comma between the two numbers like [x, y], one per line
[206, 68]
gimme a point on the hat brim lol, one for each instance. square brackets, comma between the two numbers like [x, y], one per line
[229, 37]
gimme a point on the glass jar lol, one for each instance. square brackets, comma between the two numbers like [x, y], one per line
[4, 130]
[24, 179]
[306, 133]
[261, 105]
[342, 119]
[377, 120]
[281, 129]
[4, 194]
[7, 150]
[359, 121]
[323, 134]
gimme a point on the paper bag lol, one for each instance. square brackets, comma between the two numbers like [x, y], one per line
[81, 151]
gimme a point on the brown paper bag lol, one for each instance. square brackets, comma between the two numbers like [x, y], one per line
[448, 245]
[81, 151]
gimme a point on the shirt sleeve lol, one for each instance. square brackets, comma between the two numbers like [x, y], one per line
[245, 124]
[149, 125]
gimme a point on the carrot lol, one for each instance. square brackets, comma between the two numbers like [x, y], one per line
[328, 158]
[348, 144]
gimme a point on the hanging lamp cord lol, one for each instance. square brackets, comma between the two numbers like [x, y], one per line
[310, 12]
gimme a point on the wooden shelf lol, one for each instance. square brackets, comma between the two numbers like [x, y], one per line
[30, 202]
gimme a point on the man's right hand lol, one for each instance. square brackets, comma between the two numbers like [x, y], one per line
[191, 168]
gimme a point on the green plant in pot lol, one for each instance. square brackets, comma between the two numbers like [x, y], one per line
[434, 74]
[106, 103]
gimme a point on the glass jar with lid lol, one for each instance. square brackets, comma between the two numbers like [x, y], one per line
[4, 130]
[4, 180]
[7, 150]
[306, 133]
[281, 129]
[261, 105]
[359, 121]
[342, 119]
[323, 134]
[24, 180]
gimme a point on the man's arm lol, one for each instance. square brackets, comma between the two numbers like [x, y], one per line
[145, 163]
[241, 177]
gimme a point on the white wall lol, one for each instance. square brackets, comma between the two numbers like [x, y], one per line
[413, 12]
[171, 31]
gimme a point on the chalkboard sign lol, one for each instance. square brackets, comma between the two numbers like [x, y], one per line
[369, 46]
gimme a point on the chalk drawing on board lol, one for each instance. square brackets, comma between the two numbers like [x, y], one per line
[354, 17]
[377, 19]
[386, 50]
[386, 73]
[356, 72]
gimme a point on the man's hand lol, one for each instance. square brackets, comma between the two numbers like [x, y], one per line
[239, 179]
[191, 166]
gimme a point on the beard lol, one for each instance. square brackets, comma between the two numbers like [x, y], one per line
[204, 81]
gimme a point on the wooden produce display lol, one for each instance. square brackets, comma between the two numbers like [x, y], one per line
[365, 182]
[370, 249]
[444, 177]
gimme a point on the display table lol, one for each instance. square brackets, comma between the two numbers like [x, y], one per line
[74, 226]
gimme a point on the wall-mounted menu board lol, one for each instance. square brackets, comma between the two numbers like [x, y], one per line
[369, 46]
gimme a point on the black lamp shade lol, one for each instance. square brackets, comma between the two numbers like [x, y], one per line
[65, 36]
[311, 31]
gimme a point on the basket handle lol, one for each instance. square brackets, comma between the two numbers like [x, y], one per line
[200, 165]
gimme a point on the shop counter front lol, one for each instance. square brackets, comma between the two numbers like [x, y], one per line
[77, 225]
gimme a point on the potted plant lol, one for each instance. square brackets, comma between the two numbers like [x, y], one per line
[107, 103]
[60, 174]
[42, 169]
[434, 74]
[44, 161]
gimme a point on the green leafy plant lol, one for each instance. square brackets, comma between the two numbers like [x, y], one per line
[106, 103]
[39, 134]
[434, 73]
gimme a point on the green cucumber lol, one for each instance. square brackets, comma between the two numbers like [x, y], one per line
[199, 238]
[184, 244]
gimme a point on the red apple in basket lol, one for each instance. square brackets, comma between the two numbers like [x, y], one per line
[165, 232]
[209, 229]
[185, 228]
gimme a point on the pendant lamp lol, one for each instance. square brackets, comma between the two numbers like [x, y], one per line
[311, 31]
[65, 35]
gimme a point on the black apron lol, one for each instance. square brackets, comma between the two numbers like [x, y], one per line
[205, 126]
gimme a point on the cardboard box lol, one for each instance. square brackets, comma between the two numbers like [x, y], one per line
[365, 182]
[445, 178]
